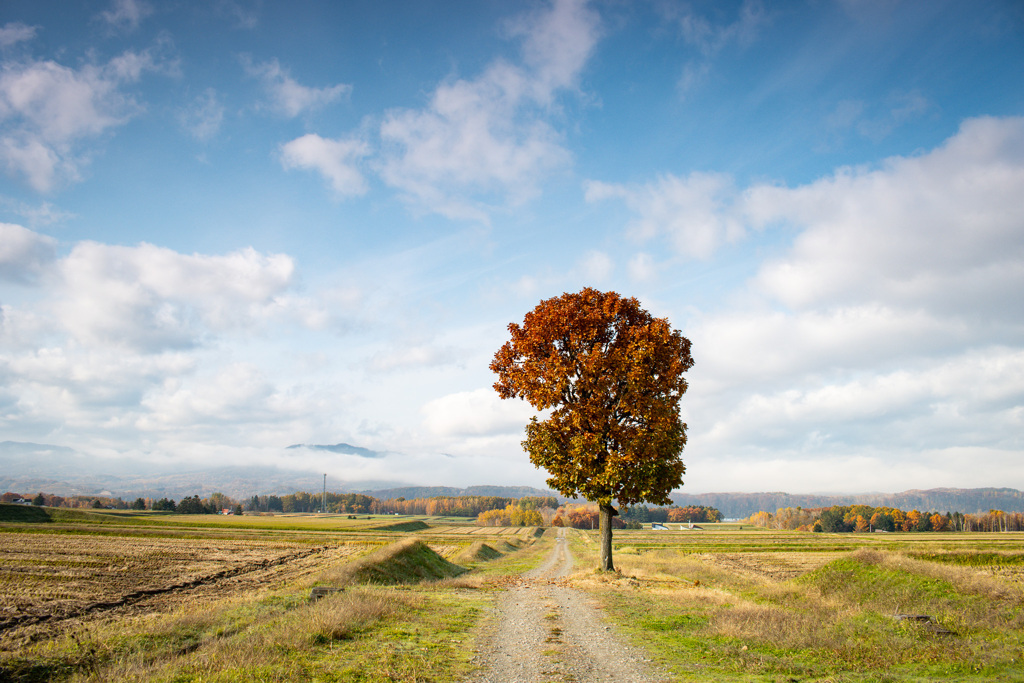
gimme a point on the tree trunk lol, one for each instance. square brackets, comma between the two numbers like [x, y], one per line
[606, 514]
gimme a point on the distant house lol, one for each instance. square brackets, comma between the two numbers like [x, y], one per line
[658, 527]
[691, 527]
[227, 511]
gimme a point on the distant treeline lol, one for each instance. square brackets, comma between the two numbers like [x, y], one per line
[461, 506]
[410, 492]
[301, 501]
[585, 515]
[743, 505]
[865, 518]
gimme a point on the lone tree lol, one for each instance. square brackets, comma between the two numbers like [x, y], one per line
[611, 376]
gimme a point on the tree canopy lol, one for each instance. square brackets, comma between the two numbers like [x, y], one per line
[610, 376]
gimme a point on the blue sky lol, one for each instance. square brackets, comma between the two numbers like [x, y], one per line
[229, 227]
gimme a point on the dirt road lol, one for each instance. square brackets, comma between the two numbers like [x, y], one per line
[544, 630]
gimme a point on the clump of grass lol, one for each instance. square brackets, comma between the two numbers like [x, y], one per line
[337, 617]
[479, 552]
[506, 547]
[963, 576]
[408, 561]
[973, 559]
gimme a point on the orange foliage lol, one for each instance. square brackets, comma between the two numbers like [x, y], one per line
[612, 376]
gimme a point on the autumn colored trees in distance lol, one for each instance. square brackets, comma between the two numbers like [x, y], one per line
[863, 518]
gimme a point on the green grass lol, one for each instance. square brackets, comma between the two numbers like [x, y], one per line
[973, 559]
[481, 552]
[408, 561]
[834, 623]
[366, 634]
[415, 525]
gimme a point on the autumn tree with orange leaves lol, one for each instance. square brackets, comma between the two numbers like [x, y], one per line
[611, 377]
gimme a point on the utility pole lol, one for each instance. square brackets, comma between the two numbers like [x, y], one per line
[323, 499]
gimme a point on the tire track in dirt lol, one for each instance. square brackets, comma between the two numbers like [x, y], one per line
[129, 599]
[545, 630]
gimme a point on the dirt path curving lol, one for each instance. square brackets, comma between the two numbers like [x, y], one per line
[544, 630]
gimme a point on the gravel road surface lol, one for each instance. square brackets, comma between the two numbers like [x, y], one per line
[544, 630]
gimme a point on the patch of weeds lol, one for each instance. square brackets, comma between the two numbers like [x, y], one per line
[973, 559]
[834, 623]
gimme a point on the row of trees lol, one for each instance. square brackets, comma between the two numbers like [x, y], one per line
[512, 515]
[190, 505]
[587, 516]
[862, 518]
[460, 506]
[698, 514]
[301, 501]
[54, 501]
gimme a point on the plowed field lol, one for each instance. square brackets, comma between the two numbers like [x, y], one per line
[48, 579]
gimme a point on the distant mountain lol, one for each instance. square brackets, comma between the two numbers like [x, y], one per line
[342, 448]
[409, 492]
[29, 468]
[740, 505]
[32, 467]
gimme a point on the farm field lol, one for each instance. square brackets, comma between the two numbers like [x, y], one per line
[113, 596]
[756, 605]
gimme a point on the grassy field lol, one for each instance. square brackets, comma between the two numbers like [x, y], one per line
[98, 596]
[753, 605]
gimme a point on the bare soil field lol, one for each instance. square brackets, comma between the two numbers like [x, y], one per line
[47, 579]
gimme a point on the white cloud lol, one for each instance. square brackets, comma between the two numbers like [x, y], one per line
[144, 345]
[412, 356]
[335, 160]
[744, 350]
[36, 214]
[126, 15]
[149, 297]
[15, 32]
[596, 267]
[773, 469]
[694, 213]
[287, 96]
[642, 268]
[946, 221]
[24, 254]
[239, 393]
[557, 44]
[203, 118]
[245, 15]
[488, 137]
[891, 327]
[476, 413]
[877, 121]
[709, 38]
[944, 230]
[972, 397]
[47, 110]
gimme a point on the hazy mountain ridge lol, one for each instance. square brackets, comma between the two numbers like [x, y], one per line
[32, 467]
[29, 468]
[342, 448]
[410, 492]
[740, 505]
